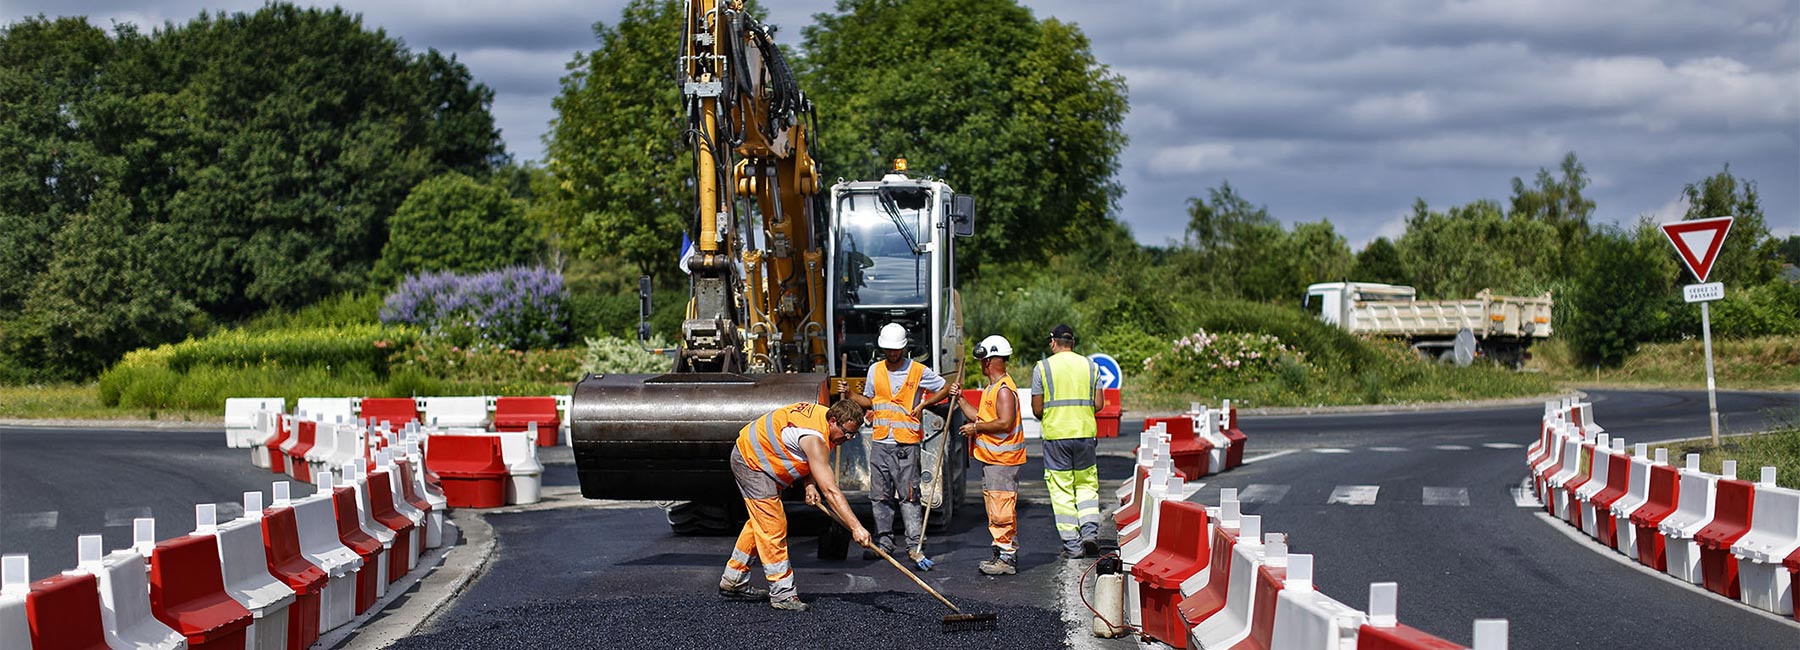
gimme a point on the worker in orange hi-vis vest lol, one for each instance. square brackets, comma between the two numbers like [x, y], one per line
[895, 394]
[997, 439]
[788, 445]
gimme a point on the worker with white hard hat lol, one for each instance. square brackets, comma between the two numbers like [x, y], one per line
[895, 394]
[997, 439]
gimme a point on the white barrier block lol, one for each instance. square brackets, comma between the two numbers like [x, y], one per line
[525, 480]
[1384, 601]
[320, 545]
[1637, 493]
[1232, 624]
[1774, 534]
[327, 409]
[1308, 620]
[1693, 512]
[458, 411]
[1571, 456]
[244, 565]
[15, 583]
[241, 430]
[1490, 634]
[124, 584]
[1597, 480]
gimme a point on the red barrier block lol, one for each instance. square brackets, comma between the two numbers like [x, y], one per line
[513, 414]
[1181, 552]
[308, 432]
[1400, 637]
[1584, 471]
[281, 542]
[1665, 495]
[1210, 599]
[283, 430]
[1132, 509]
[350, 532]
[1618, 482]
[1734, 502]
[63, 612]
[1106, 420]
[1269, 581]
[1543, 480]
[413, 497]
[1187, 451]
[1234, 456]
[1793, 566]
[471, 469]
[395, 411]
[381, 509]
[187, 593]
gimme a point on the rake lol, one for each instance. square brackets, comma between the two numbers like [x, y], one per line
[957, 622]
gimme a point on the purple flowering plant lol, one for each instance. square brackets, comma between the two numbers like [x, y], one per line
[519, 308]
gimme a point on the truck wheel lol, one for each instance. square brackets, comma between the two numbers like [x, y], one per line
[706, 518]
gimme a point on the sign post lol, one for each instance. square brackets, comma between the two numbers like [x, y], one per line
[1697, 243]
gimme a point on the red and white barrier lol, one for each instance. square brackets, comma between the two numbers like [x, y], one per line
[64, 612]
[1308, 620]
[1384, 632]
[187, 592]
[327, 410]
[1180, 553]
[456, 411]
[1566, 468]
[1698, 490]
[319, 544]
[1766, 584]
[1231, 623]
[241, 413]
[350, 533]
[1734, 501]
[281, 545]
[525, 475]
[384, 509]
[1637, 494]
[15, 583]
[1598, 481]
[245, 565]
[392, 541]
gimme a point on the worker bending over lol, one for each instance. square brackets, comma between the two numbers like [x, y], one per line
[1065, 393]
[892, 395]
[997, 439]
[790, 444]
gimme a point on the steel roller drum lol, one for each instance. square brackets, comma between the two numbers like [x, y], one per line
[669, 437]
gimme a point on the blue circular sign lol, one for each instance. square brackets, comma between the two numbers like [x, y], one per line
[1110, 375]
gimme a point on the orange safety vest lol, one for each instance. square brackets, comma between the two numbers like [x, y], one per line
[893, 409]
[1006, 448]
[759, 442]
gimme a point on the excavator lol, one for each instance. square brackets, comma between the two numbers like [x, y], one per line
[789, 283]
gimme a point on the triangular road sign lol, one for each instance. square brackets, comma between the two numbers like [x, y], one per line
[1697, 242]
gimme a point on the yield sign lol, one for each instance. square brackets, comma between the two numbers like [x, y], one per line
[1697, 242]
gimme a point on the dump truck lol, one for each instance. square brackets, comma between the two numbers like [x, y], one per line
[789, 285]
[1500, 328]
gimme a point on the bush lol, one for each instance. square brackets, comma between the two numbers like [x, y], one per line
[1229, 358]
[339, 310]
[612, 355]
[520, 308]
[436, 357]
[1326, 346]
[1763, 310]
[196, 373]
[360, 347]
[457, 224]
[1022, 313]
[1622, 295]
[1130, 347]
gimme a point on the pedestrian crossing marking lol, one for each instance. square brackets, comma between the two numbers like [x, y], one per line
[1388, 449]
[1503, 445]
[1446, 496]
[1451, 447]
[1262, 493]
[33, 520]
[1354, 495]
[1330, 450]
[123, 516]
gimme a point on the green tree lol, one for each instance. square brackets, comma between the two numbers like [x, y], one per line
[1313, 252]
[622, 172]
[1557, 201]
[1014, 110]
[455, 223]
[1472, 247]
[1379, 262]
[1232, 244]
[1622, 294]
[1750, 256]
[1790, 249]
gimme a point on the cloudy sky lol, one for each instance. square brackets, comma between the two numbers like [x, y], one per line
[1320, 110]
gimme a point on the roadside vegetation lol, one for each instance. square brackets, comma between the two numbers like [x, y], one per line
[1778, 448]
[167, 269]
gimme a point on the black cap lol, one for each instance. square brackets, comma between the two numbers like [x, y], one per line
[1063, 332]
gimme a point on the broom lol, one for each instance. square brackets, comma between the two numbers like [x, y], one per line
[957, 622]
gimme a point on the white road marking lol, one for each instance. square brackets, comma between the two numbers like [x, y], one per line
[229, 510]
[1262, 493]
[1452, 447]
[123, 516]
[32, 520]
[1524, 496]
[1446, 496]
[1330, 450]
[1354, 495]
[1267, 456]
[1502, 445]
[1388, 449]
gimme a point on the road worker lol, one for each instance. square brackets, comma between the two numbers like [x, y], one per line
[893, 395]
[1065, 393]
[997, 439]
[788, 445]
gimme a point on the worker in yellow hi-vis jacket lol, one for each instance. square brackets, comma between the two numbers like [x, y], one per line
[1065, 393]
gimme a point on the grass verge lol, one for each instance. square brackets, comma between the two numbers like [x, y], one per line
[1761, 363]
[1778, 448]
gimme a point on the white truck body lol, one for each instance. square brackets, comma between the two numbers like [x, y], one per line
[1501, 326]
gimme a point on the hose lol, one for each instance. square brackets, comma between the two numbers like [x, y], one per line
[1081, 590]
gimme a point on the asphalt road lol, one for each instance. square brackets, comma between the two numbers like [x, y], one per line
[615, 576]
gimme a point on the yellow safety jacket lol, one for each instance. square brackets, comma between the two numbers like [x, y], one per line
[1006, 447]
[759, 442]
[892, 414]
[1068, 396]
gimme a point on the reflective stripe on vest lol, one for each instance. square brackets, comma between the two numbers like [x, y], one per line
[1006, 448]
[1068, 396]
[892, 414]
[760, 441]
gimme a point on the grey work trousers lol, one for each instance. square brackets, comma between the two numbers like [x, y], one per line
[894, 484]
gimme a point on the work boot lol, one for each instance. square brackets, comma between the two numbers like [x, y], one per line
[870, 554]
[743, 592]
[1090, 548]
[997, 567]
[1071, 553]
[792, 604]
[919, 560]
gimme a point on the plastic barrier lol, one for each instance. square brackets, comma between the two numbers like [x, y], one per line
[1231, 623]
[305, 437]
[240, 419]
[1210, 597]
[516, 414]
[327, 409]
[1106, 420]
[1235, 455]
[432, 527]
[1187, 452]
[1793, 567]
[1270, 580]
[1567, 467]
[245, 565]
[1384, 631]
[1209, 425]
[187, 592]
[350, 533]
[1308, 620]
[1637, 493]
[319, 544]
[281, 545]
[395, 542]
[1698, 491]
[1550, 465]
[525, 475]
[1664, 497]
[384, 510]
[1598, 509]
[64, 613]
[1569, 503]
[1734, 503]
[1774, 534]
[1139, 538]
[456, 411]
[347, 442]
[471, 468]
[395, 411]
[1181, 551]
[15, 583]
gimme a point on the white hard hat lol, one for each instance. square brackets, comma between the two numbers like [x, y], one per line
[893, 337]
[993, 346]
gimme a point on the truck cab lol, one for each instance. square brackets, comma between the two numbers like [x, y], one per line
[1334, 300]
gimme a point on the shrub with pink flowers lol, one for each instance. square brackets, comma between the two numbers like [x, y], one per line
[1221, 358]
